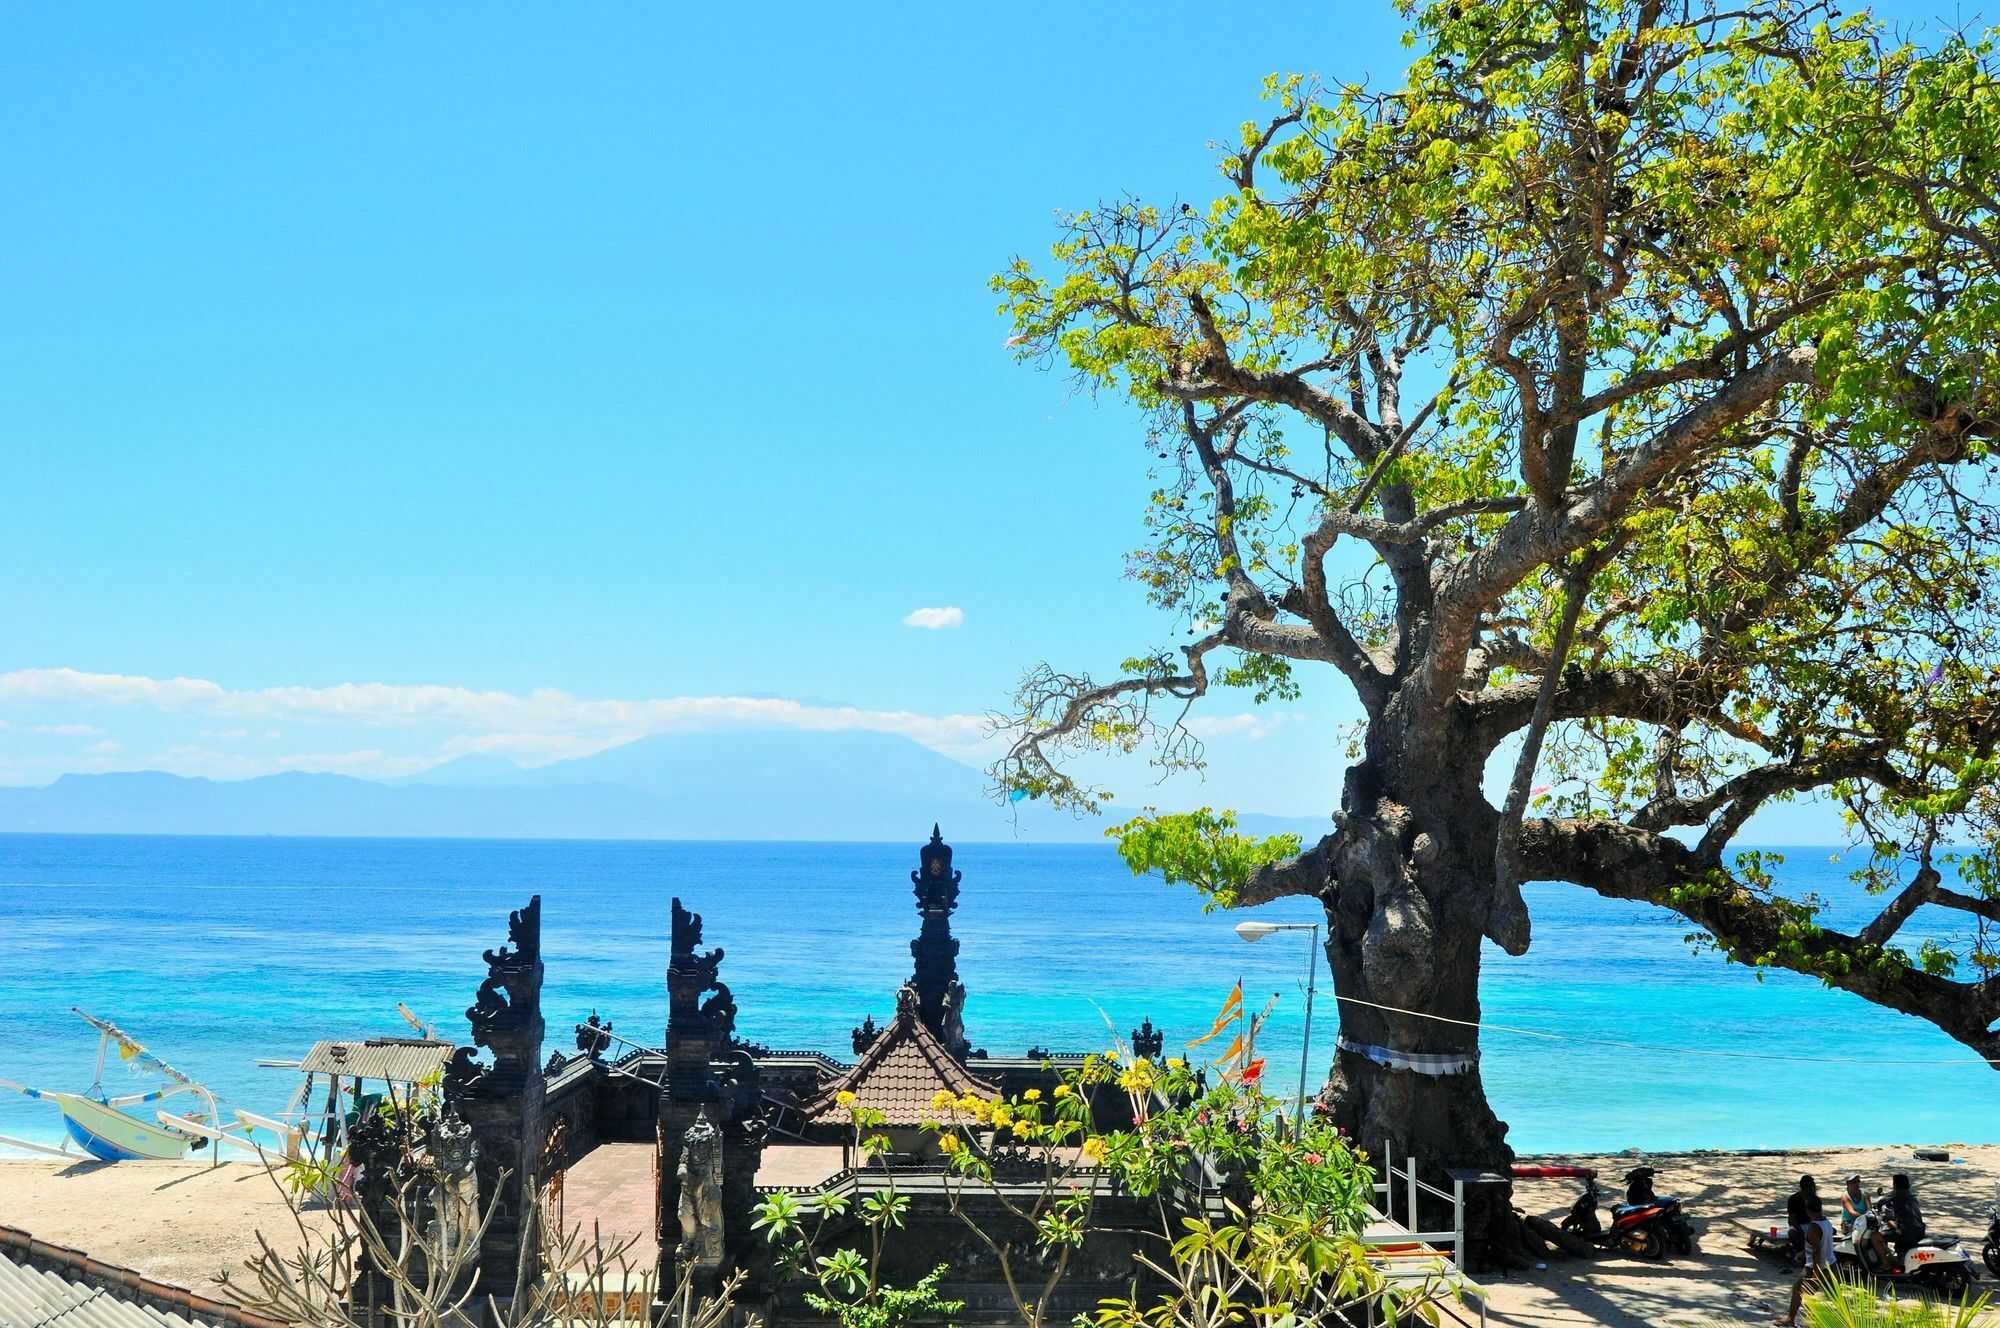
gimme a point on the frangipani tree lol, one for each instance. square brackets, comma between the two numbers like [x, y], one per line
[1610, 408]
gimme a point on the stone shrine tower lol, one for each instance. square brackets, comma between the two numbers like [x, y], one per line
[940, 995]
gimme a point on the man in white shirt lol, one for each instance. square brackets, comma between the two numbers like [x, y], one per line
[1818, 1233]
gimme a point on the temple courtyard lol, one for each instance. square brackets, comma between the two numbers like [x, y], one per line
[183, 1223]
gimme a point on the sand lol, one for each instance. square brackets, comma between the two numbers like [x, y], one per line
[1725, 1283]
[184, 1223]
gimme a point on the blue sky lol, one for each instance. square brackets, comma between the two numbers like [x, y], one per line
[641, 355]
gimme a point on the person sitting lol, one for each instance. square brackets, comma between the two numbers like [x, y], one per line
[1639, 1186]
[1854, 1204]
[1906, 1218]
[1816, 1233]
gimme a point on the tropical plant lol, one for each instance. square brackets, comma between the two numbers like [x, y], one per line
[1289, 1247]
[415, 1252]
[1609, 407]
[1857, 1303]
[846, 1283]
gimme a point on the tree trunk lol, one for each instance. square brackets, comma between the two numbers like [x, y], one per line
[1406, 912]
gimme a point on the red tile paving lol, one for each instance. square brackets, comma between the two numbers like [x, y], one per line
[799, 1164]
[611, 1186]
[610, 1190]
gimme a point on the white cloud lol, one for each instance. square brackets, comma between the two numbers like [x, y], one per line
[934, 620]
[538, 726]
[113, 689]
[70, 730]
[105, 748]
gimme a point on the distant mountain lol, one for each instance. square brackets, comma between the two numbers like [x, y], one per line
[777, 784]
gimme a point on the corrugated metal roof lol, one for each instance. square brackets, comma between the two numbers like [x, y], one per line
[31, 1298]
[53, 1286]
[400, 1060]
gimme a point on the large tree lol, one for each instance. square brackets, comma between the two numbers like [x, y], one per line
[1609, 407]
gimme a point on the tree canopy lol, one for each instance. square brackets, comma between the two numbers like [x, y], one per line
[1610, 405]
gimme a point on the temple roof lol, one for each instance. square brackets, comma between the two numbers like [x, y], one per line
[899, 1073]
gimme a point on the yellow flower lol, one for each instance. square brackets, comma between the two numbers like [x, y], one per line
[1023, 1130]
[844, 1098]
[1176, 1063]
[1032, 1095]
[948, 1144]
[1093, 1148]
[1135, 1080]
[943, 1100]
[1003, 1115]
[1062, 1090]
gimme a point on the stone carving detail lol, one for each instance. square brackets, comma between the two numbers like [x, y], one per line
[593, 1036]
[1148, 1042]
[935, 951]
[461, 1072]
[697, 1030]
[712, 1126]
[506, 1012]
[720, 1012]
[865, 1035]
[501, 1103]
[952, 1030]
[700, 1177]
[454, 1156]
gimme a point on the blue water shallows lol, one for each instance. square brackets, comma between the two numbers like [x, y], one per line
[217, 951]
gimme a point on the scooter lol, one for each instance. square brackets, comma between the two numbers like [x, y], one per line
[1645, 1225]
[1938, 1263]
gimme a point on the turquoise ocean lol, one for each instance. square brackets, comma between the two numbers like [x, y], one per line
[215, 952]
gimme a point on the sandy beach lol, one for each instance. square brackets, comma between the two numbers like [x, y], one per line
[182, 1223]
[186, 1223]
[1724, 1283]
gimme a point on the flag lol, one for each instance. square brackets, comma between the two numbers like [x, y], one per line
[1231, 1009]
[1228, 1058]
[1252, 1072]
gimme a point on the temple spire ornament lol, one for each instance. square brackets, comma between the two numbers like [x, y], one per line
[940, 996]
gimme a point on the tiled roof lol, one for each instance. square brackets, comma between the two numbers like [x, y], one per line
[898, 1075]
[50, 1286]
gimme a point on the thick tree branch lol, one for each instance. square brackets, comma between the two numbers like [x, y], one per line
[1623, 862]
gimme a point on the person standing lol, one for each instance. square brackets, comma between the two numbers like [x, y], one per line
[1817, 1234]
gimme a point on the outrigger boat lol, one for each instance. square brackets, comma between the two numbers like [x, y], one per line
[103, 1129]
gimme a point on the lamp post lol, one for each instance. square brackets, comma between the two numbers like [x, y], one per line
[1254, 931]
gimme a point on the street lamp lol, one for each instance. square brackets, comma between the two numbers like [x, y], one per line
[1254, 931]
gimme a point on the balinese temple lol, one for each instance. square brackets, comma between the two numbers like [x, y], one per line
[923, 1051]
[676, 1144]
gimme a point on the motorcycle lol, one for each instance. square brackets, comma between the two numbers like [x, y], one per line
[1990, 1252]
[1937, 1263]
[1645, 1225]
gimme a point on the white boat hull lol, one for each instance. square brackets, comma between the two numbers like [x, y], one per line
[108, 1133]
